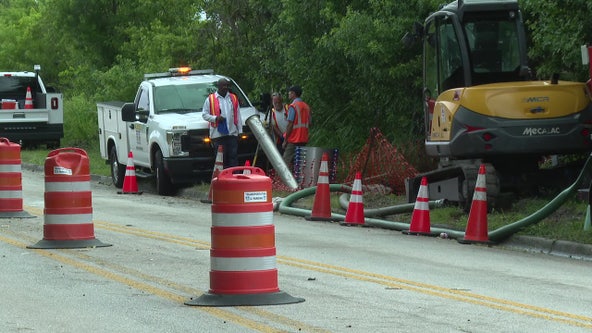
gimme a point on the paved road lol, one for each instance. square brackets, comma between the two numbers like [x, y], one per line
[353, 279]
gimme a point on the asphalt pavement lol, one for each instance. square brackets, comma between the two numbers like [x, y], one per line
[523, 243]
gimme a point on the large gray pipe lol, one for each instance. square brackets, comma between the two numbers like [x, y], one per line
[273, 155]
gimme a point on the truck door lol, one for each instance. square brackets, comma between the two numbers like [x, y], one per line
[138, 130]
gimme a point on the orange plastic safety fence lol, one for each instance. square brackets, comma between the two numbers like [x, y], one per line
[381, 164]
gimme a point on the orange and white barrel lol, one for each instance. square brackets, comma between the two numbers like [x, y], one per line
[243, 254]
[11, 180]
[68, 201]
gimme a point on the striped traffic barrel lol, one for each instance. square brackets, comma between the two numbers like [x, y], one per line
[11, 181]
[242, 256]
[68, 202]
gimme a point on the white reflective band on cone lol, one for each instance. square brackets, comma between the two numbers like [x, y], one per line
[242, 219]
[68, 218]
[422, 205]
[67, 186]
[11, 194]
[323, 180]
[357, 198]
[10, 168]
[242, 264]
[480, 195]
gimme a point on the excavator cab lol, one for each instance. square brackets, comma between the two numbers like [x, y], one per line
[469, 43]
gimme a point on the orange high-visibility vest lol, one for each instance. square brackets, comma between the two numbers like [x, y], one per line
[215, 107]
[299, 132]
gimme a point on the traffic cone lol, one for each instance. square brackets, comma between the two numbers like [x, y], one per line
[29, 99]
[218, 167]
[321, 208]
[248, 165]
[476, 231]
[420, 219]
[130, 184]
[355, 210]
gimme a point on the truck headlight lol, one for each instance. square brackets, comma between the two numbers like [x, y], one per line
[174, 141]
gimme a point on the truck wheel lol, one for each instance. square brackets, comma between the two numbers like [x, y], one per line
[117, 169]
[163, 181]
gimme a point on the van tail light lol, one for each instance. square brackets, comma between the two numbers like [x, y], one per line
[54, 103]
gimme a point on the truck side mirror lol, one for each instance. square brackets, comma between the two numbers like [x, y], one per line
[128, 112]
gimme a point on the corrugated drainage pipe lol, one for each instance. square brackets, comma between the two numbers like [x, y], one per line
[286, 208]
[506, 231]
[497, 235]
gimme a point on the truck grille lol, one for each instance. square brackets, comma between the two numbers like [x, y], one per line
[194, 144]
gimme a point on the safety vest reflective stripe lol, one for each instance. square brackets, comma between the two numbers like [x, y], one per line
[242, 264]
[215, 107]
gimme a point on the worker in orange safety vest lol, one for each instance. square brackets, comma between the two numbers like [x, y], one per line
[299, 119]
[221, 110]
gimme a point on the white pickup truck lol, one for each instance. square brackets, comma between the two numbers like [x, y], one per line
[37, 121]
[165, 131]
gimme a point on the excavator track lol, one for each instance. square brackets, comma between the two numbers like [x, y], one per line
[456, 183]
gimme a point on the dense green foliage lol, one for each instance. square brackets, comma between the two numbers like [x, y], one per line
[346, 54]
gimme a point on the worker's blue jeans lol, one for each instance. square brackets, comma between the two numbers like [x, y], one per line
[229, 144]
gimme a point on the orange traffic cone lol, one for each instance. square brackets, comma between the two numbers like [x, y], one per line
[355, 210]
[248, 165]
[321, 208]
[130, 184]
[420, 219]
[218, 167]
[29, 99]
[476, 231]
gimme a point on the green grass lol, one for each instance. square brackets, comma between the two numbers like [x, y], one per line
[566, 223]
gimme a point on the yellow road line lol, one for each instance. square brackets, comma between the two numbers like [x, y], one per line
[220, 313]
[226, 315]
[389, 281]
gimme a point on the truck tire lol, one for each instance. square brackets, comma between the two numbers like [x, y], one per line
[117, 169]
[164, 186]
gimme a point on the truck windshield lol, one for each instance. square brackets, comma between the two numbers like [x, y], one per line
[188, 97]
[15, 87]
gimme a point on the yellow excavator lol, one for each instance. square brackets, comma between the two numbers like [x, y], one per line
[482, 106]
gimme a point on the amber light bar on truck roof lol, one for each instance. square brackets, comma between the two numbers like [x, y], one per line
[179, 71]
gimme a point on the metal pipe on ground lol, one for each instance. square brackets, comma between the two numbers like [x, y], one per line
[389, 210]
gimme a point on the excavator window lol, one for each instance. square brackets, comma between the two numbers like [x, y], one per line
[450, 63]
[493, 45]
